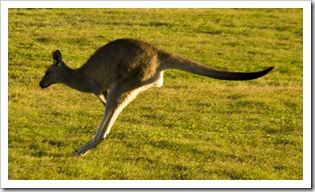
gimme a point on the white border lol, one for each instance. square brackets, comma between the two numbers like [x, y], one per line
[155, 4]
[305, 183]
[170, 184]
[307, 93]
[4, 95]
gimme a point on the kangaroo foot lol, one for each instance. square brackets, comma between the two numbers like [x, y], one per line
[87, 146]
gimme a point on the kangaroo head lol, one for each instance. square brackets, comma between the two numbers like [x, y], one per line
[55, 72]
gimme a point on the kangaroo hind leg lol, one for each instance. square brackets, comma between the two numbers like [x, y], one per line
[119, 97]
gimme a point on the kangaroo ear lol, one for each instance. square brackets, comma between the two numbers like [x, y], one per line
[57, 57]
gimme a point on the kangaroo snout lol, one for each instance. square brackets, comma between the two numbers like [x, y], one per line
[42, 84]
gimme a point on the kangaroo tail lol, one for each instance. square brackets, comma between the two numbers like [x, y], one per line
[169, 61]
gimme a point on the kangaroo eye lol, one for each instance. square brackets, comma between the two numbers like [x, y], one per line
[47, 73]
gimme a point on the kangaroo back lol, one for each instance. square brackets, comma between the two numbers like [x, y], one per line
[170, 61]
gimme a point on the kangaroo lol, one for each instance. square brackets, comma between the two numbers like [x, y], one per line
[121, 69]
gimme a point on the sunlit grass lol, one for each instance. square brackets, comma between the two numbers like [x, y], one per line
[191, 128]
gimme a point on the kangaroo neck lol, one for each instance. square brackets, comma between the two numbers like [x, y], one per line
[74, 79]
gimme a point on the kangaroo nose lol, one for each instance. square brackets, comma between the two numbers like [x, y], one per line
[41, 84]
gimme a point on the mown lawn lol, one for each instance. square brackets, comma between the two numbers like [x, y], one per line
[192, 128]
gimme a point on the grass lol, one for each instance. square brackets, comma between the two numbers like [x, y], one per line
[191, 128]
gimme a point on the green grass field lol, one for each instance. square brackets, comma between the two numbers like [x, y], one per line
[192, 128]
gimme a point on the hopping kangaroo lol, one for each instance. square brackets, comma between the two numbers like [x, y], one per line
[119, 70]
